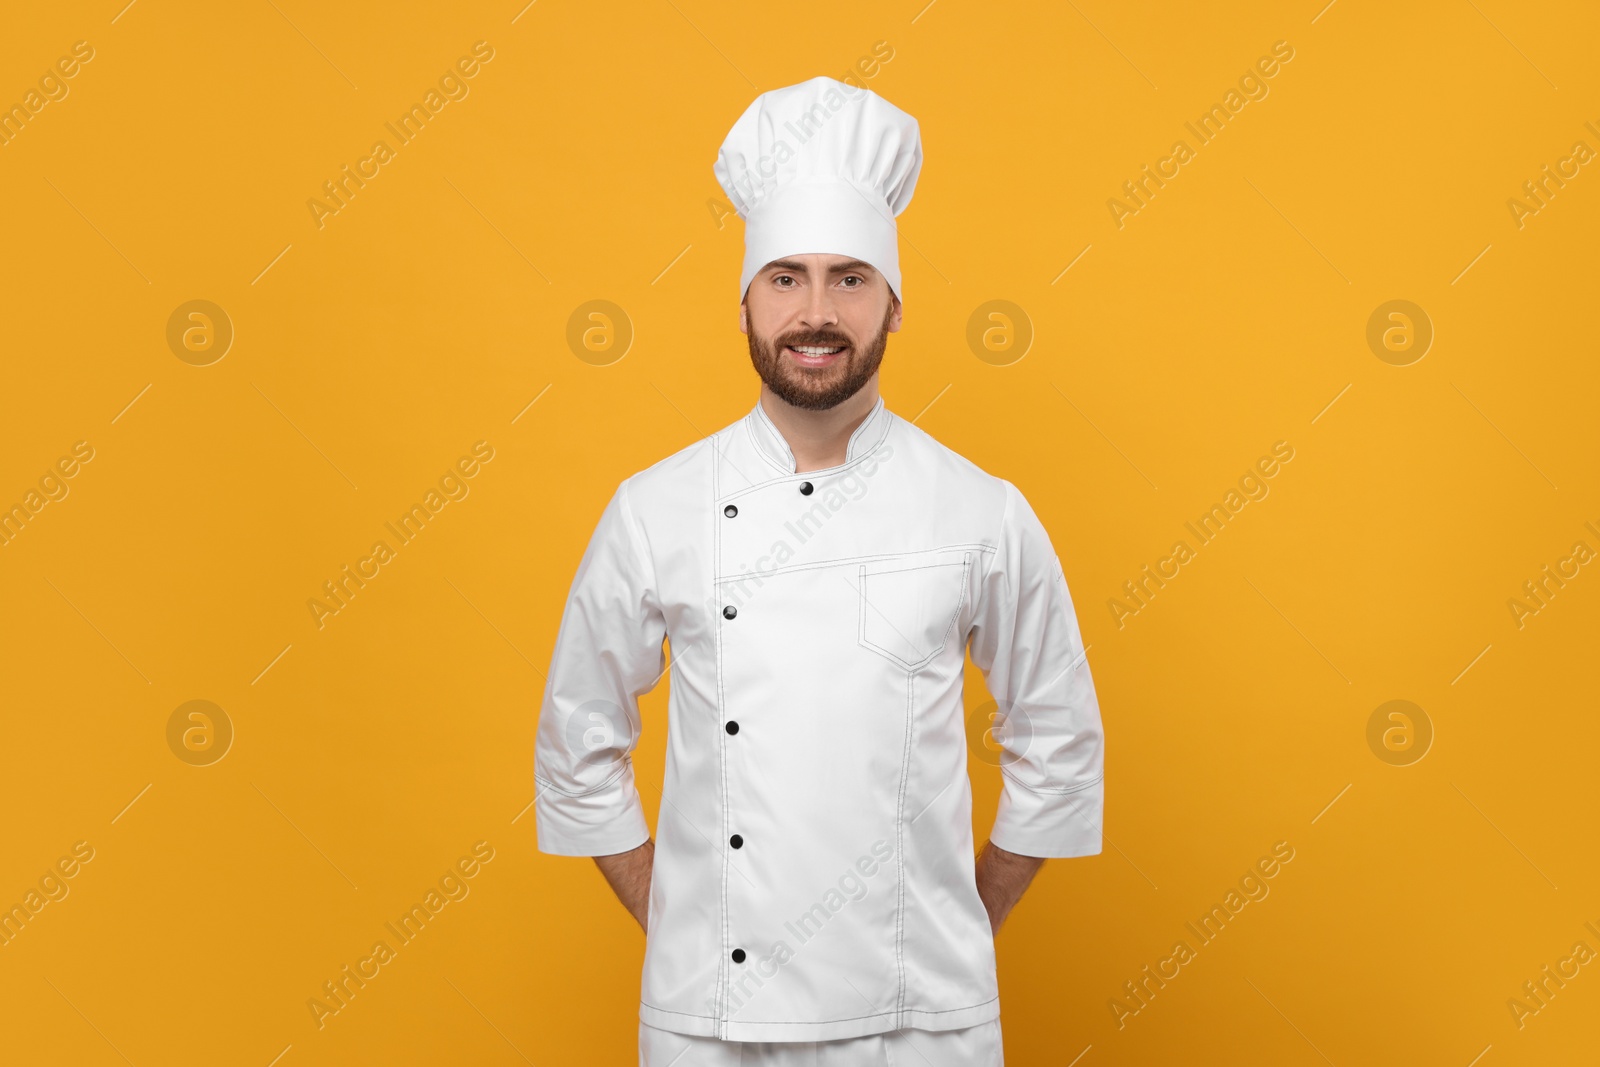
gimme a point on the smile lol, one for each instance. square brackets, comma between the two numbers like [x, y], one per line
[815, 355]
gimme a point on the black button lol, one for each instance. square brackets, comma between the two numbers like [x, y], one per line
[732, 727]
[729, 612]
[805, 488]
[736, 841]
[738, 955]
[730, 511]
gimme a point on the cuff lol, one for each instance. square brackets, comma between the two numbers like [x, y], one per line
[1050, 825]
[601, 822]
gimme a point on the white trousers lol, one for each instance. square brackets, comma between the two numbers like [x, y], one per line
[975, 1046]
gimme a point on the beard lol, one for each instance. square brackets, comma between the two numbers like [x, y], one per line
[817, 388]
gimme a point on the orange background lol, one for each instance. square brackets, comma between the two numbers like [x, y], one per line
[369, 354]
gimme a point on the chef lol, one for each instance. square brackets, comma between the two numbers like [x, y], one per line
[820, 569]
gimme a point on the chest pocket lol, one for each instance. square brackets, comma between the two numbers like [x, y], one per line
[908, 605]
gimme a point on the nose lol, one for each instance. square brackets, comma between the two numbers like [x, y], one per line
[819, 310]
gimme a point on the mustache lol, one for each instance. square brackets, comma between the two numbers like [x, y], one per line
[820, 340]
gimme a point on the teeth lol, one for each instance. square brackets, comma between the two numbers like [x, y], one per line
[811, 350]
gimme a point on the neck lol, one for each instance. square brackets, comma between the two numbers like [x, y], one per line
[819, 439]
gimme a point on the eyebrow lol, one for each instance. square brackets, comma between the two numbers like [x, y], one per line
[856, 266]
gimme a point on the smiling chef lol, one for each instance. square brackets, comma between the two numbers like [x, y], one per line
[821, 568]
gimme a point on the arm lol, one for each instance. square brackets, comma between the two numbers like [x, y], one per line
[629, 875]
[1025, 639]
[1002, 878]
[608, 651]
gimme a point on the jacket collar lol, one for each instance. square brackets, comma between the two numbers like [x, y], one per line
[775, 448]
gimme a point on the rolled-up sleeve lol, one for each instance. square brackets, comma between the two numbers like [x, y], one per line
[608, 651]
[1026, 641]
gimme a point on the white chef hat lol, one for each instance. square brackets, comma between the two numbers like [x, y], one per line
[821, 166]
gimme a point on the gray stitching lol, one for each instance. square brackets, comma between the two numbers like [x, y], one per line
[1054, 792]
[865, 602]
[722, 760]
[870, 559]
[888, 419]
[825, 1022]
[900, 851]
[622, 765]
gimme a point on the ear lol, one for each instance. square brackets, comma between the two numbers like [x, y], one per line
[744, 317]
[895, 311]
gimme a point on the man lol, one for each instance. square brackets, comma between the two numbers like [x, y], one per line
[820, 567]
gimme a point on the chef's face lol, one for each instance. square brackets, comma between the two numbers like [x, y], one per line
[817, 327]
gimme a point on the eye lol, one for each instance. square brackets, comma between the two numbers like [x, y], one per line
[779, 279]
[854, 278]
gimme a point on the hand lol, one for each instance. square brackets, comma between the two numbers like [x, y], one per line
[1002, 877]
[629, 875]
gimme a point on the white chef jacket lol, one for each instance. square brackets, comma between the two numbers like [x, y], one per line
[814, 869]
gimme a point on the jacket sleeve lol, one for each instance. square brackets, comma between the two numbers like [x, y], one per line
[1051, 746]
[608, 651]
